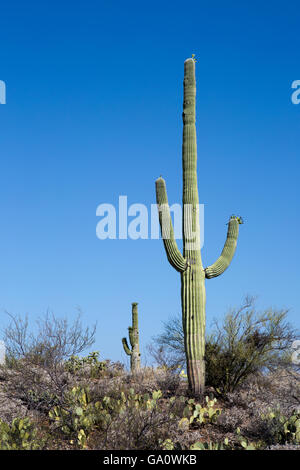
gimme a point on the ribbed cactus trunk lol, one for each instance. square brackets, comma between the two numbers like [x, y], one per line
[192, 279]
[134, 352]
[190, 264]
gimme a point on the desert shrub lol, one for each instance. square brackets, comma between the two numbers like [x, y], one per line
[244, 343]
[123, 421]
[168, 381]
[52, 341]
[167, 348]
[77, 416]
[86, 365]
[138, 421]
[21, 434]
[35, 370]
[149, 379]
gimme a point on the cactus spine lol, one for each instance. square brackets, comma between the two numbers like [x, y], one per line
[134, 352]
[190, 264]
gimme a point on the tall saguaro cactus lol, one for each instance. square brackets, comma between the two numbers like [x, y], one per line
[134, 352]
[189, 263]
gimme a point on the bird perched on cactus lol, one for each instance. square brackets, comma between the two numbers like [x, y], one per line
[189, 264]
[134, 352]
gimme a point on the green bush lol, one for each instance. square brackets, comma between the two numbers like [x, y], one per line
[244, 343]
[77, 417]
[127, 421]
[247, 342]
[91, 363]
[138, 421]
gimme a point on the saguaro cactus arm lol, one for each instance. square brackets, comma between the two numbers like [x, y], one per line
[228, 251]
[173, 254]
[126, 347]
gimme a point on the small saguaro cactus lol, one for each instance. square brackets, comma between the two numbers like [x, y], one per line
[189, 264]
[134, 352]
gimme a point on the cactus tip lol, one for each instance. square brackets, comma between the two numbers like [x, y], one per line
[238, 218]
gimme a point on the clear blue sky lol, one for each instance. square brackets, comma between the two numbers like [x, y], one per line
[94, 101]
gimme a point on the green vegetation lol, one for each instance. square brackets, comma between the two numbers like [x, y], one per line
[77, 365]
[244, 343]
[109, 408]
[202, 414]
[280, 427]
[53, 397]
[21, 434]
